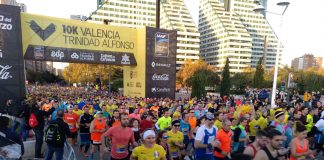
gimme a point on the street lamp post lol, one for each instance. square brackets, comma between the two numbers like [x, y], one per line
[260, 8]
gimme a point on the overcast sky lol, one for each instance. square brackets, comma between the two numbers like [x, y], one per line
[303, 24]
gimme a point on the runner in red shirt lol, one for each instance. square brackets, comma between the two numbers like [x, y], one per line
[119, 138]
[72, 120]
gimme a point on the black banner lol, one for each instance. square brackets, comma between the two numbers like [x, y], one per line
[56, 54]
[12, 78]
[161, 49]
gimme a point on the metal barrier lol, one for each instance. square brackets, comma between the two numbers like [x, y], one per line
[69, 153]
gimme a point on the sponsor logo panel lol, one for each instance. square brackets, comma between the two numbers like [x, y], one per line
[157, 64]
[161, 44]
[160, 90]
[57, 54]
[107, 58]
[160, 77]
[5, 72]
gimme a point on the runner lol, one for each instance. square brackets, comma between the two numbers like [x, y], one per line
[149, 149]
[85, 121]
[164, 122]
[163, 141]
[205, 139]
[224, 136]
[219, 118]
[115, 120]
[186, 131]
[300, 146]
[175, 140]
[77, 111]
[260, 141]
[272, 150]
[278, 122]
[240, 136]
[146, 122]
[119, 138]
[72, 120]
[97, 128]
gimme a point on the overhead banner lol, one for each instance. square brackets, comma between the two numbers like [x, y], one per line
[55, 39]
[161, 49]
[12, 78]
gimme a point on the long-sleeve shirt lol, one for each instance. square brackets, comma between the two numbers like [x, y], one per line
[40, 116]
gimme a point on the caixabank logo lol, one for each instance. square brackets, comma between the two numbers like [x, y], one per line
[42, 33]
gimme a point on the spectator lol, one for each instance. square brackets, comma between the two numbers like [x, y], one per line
[39, 129]
[56, 145]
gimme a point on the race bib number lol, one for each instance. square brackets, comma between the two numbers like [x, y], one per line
[121, 149]
[71, 126]
[210, 150]
[174, 154]
[185, 131]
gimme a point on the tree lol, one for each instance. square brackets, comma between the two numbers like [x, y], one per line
[258, 79]
[201, 79]
[118, 83]
[189, 68]
[225, 83]
[82, 73]
[241, 80]
[41, 77]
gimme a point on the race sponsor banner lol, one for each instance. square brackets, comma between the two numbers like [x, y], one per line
[41, 53]
[161, 47]
[12, 79]
[55, 39]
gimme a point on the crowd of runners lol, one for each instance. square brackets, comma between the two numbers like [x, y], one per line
[211, 128]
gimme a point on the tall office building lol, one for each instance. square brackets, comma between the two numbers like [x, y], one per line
[140, 13]
[306, 61]
[130, 13]
[175, 15]
[230, 28]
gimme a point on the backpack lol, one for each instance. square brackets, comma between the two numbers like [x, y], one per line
[54, 135]
[33, 122]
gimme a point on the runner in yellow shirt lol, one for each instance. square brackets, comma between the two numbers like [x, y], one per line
[175, 140]
[77, 111]
[219, 118]
[149, 149]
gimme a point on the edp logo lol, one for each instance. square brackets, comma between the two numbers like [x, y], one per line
[57, 54]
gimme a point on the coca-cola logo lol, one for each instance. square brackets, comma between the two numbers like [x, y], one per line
[160, 77]
[4, 73]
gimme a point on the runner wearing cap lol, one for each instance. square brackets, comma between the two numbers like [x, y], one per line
[149, 149]
[205, 139]
[278, 122]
